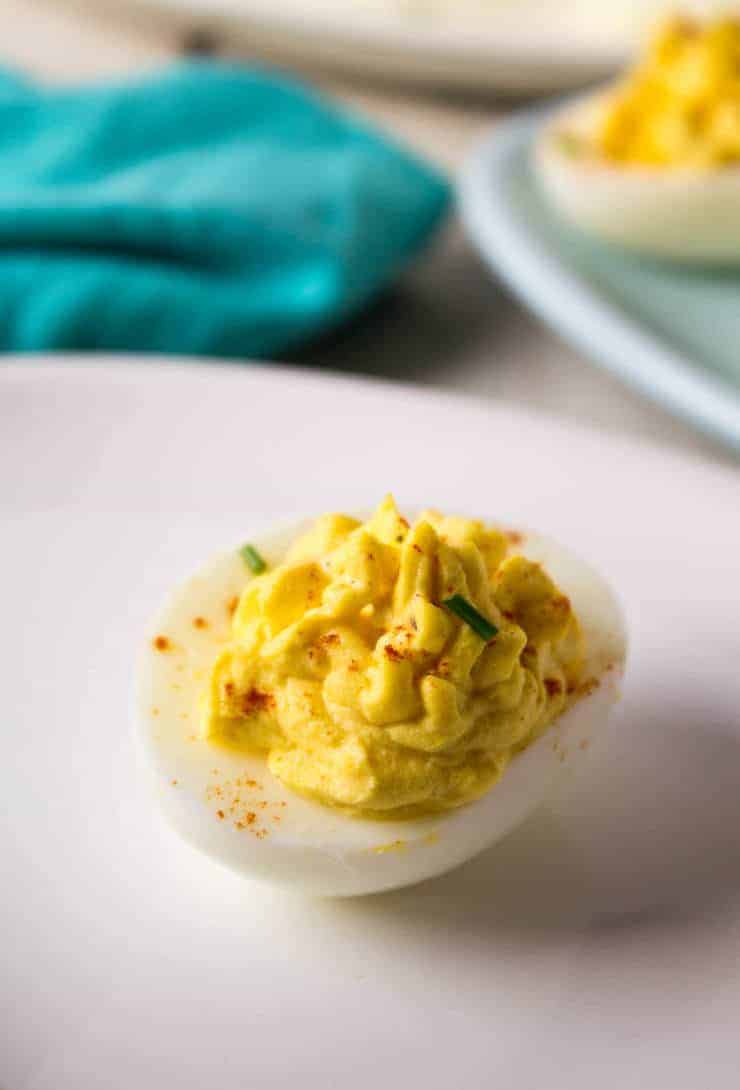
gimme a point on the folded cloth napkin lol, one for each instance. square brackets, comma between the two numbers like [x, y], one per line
[207, 209]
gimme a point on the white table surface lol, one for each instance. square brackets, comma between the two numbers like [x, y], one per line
[447, 324]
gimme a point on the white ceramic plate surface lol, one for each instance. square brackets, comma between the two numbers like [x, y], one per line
[599, 940]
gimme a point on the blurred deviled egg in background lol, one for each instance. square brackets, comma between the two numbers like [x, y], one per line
[652, 163]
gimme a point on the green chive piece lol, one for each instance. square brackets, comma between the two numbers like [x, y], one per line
[253, 559]
[570, 144]
[462, 608]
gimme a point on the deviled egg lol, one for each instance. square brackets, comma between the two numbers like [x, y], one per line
[352, 706]
[653, 162]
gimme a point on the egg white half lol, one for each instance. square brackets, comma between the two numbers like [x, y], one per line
[681, 213]
[229, 806]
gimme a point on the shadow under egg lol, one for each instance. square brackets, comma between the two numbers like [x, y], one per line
[646, 834]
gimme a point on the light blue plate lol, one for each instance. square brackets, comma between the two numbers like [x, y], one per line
[673, 332]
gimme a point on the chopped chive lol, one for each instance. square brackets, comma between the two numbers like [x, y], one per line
[253, 559]
[468, 613]
[570, 144]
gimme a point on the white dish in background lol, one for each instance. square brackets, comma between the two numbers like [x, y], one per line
[504, 45]
[600, 938]
[667, 329]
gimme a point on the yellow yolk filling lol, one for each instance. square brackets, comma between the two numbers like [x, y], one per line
[680, 106]
[364, 692]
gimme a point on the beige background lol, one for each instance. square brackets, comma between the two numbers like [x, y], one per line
[447, 324]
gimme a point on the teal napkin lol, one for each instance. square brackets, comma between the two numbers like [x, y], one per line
[209, 209]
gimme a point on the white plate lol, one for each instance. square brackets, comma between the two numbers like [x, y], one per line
[600, 939]
[511, 45]
[669, 331]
